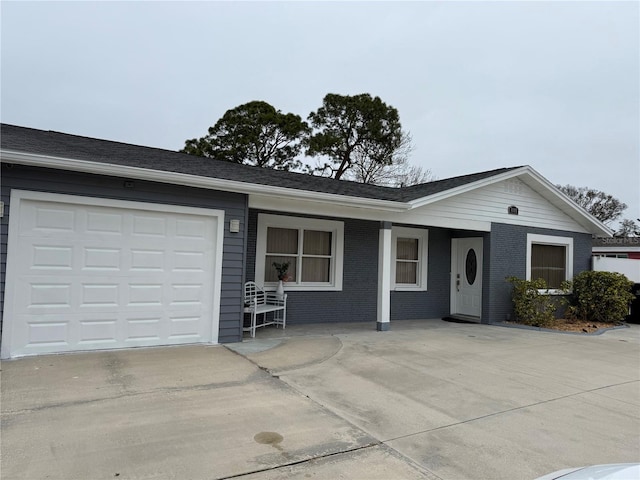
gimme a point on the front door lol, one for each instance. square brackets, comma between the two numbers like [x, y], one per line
[466, 269]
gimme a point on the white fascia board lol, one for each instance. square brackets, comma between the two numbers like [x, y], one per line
[197, 181]
[575, 211]
[452, 192]
[342, 211]
[611, 249]
[551, 193]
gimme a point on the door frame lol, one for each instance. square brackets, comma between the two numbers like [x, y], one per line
[455, 252]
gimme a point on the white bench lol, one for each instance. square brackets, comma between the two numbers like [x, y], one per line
[258, 302]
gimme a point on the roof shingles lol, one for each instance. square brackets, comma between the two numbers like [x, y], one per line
[62, 145]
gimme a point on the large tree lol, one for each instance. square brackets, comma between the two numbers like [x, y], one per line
[353, 128]
[601, 205]
[255, 134]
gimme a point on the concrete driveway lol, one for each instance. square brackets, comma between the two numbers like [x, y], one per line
[427, 399]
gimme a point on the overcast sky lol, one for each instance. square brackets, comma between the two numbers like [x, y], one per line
[479, 85]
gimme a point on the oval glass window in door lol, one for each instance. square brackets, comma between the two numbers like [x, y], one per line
[471, 266]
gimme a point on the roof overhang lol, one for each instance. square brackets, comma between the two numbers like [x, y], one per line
[539, 184]
[615, 249]
[162, 176]
[558, 198]
[526, 174]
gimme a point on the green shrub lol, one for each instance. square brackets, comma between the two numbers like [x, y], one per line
[532, 304]
[599, 296]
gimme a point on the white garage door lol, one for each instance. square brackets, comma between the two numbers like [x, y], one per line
[88, 274]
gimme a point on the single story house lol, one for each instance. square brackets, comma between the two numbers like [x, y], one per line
[110, 245]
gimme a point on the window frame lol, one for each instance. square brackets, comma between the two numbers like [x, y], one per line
[557, 241]
[422, 235]
[301, 223]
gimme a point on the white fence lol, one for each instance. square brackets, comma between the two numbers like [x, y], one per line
[628, 266]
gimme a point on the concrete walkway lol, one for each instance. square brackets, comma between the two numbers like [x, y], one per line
[467, 400]
[428, 399]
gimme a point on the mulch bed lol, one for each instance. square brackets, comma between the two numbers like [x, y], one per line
[577, 326]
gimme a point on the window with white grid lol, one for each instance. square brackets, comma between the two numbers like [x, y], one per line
[312, 249]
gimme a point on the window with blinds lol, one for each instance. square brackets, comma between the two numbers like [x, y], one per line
[549, 263]
[549, 257]
[409, 250]
[312, 247]
[407, 261]
[282, 247]
[309, 253]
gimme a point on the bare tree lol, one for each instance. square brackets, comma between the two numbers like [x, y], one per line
[601, 205]
[628, 228]
[396, 174]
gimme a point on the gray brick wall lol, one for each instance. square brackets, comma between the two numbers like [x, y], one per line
[357, 302]
[358, 299]
[234, 205]
[506, 252]
[434, 303]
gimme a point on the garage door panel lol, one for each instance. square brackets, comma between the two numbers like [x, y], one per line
[147, 259]
[50, 332]
[144, 328]
[101, 259]
[186, 294]
[148, 226]
[104, 223]
[193, 229]
[144, 295]
[88, 277]
[188, 261]
[40, 294]
[183, 327]
[100, 331]
[97, 331]
[50, 218]
[49, 295]
[100, 295]
[51, 257]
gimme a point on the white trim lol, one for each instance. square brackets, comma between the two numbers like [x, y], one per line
[110, 202]
[197, 181]
[336, 227]
[17, 196]
[467, 187]
[383, 311]
[535, 181]
[453, 298]
[456, 250]
[527, 174]
[422, 235]
[555, 193]
[305, 207]
[567, 242]
[616, 249]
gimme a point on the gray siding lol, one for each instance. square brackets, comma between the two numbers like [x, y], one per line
[505, 250]
[234, 205]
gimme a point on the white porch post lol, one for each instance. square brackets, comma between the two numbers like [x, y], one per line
[384, 277]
